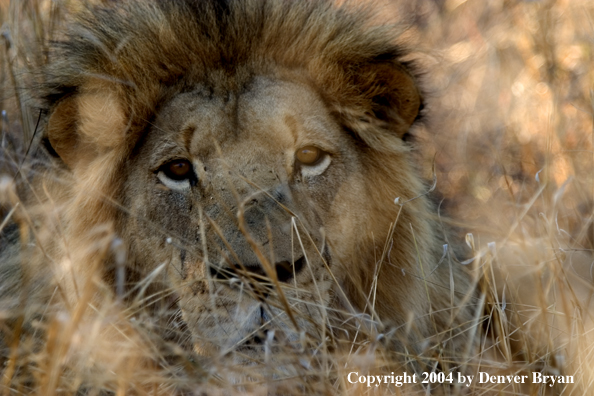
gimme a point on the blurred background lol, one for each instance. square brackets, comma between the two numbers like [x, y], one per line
[510, 93]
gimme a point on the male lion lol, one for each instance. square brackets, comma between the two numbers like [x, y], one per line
[250, 155]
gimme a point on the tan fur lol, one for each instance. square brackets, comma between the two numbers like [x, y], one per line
[237, 90]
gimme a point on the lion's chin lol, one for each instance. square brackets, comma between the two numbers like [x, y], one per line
[251, 333]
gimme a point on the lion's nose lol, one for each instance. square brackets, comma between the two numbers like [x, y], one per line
[285, 271]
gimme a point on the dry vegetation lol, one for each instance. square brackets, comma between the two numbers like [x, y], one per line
[510, 132]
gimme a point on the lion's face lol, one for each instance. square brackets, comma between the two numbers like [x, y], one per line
[238, 194]
[249, 154]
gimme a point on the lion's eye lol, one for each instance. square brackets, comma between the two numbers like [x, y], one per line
[313, 160]
[180, 169]
[177, 174]
[309, 155]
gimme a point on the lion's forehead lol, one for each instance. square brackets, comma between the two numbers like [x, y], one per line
[267, 119]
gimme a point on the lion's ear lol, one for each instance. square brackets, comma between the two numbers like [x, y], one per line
[398, 100]
[61, 130]
[389, 102]
[84, 125]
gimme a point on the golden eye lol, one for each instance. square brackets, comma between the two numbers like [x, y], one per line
[180, 169]
[309, 155]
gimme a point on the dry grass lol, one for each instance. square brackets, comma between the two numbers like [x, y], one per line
[510, 131]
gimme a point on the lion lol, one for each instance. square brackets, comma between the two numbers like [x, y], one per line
[252, 160]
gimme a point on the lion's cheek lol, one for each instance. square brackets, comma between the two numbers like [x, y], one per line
[344, 226]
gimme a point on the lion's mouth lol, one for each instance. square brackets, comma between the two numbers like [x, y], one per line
[285, 271]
